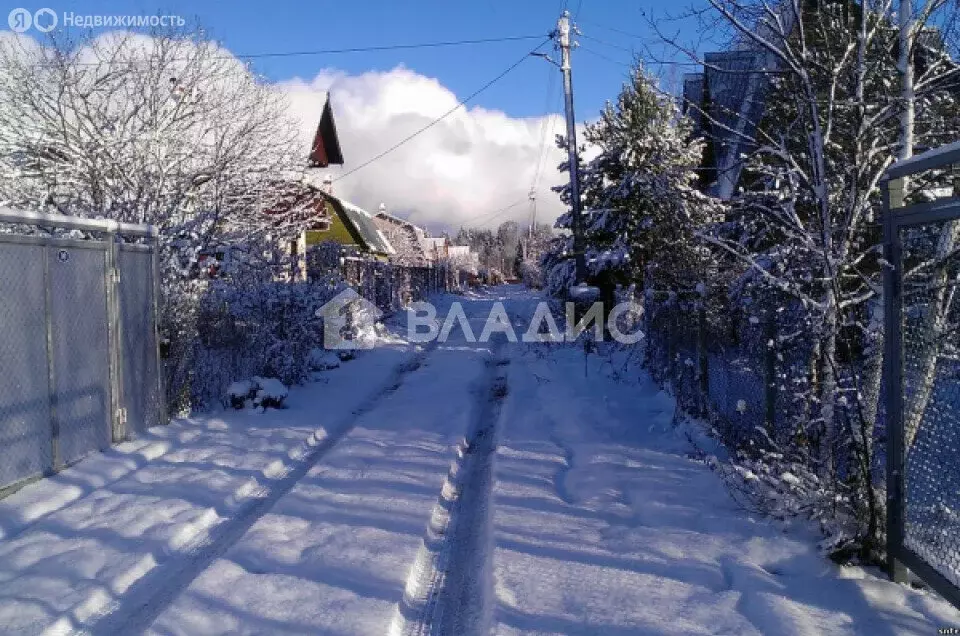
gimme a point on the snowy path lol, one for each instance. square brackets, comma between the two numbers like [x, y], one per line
[96, 544]
[604, 526]
[463, 489]
[337, 554]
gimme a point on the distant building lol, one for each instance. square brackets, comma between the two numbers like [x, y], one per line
[405, 237]
[725, 103]
[727, 99]
[435, 249]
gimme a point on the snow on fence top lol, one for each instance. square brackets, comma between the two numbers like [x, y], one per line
[8, 215]
[934, 158]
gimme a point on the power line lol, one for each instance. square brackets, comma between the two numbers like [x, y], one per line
[605, 43]
[602, 56]
[445, 115]
[614, 29]
[487, 217]
[389, 47]
[354, 49]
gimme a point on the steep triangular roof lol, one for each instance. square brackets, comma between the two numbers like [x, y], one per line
[326, 144]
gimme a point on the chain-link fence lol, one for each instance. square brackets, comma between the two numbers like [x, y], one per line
[922, 370]
[77, 339]
[928, 427]
[273, 328]
[735, 365]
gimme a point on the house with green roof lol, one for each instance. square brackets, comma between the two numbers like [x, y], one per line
[349, 225]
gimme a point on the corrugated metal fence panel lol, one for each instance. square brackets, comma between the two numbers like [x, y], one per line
[138, 355]
[81, 354]
[25, 435]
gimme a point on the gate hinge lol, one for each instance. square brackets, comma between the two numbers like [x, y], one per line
[116, 275]
[122, 416]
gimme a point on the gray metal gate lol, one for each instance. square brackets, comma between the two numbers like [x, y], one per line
[922, 370]
[78, 341]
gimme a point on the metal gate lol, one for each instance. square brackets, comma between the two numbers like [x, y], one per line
[78, 342]
[922, 370]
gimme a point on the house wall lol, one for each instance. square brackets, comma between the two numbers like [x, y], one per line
[338, 232]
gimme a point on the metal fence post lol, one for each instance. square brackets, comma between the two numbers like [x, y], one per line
[114, 339]
[770, 371]
[55, 459]
[703, 362]
[161, 380]
[893, 198]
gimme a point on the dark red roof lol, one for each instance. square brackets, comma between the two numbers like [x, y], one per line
[326, 143]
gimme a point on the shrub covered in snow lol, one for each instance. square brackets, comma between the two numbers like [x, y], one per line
[265, 329]
[239, 392]
[322, 360]
[260, 392]
[270, 393]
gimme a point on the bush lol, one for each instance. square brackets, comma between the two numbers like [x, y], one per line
[265, 329]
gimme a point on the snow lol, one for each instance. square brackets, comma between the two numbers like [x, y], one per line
[138, 517]
[456, 489]
[270, 389]
[321, 359]
[603, 525]
[241, 389]
[584, 292]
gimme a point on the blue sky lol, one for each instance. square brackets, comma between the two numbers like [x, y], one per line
[287, 25]
[473, 164]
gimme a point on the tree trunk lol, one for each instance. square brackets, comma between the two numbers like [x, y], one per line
[906, 76]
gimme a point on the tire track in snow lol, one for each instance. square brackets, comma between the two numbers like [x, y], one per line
[449, 588]
[152, 584]
[560, 477]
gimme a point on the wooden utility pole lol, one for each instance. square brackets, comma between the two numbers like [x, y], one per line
[563, 39]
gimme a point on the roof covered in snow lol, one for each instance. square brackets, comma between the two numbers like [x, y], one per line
[363, 223]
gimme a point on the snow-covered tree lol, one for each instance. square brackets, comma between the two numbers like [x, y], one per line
[804, 223]
[642, 208]
[165, 128]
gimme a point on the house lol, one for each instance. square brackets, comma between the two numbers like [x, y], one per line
[435, 249]
[312, 215]
[335, 220]
[463, 258]
[352, 227]
[405, 237]
[726, 101]
[317, 216]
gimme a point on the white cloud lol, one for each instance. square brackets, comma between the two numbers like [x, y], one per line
[459, 172]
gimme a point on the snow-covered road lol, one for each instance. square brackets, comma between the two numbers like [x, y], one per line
[458, 489]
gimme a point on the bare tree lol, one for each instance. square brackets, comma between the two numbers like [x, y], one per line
[824, 123]
[165, 128]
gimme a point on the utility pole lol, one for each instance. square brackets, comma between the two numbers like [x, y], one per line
[563, 39]
[533, 212]
[562, 36]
